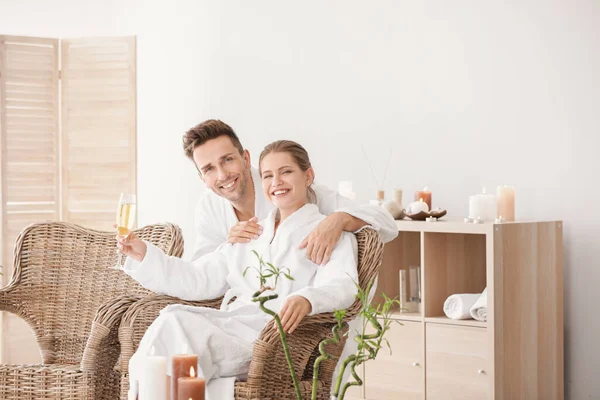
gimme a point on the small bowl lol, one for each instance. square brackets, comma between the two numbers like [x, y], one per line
[422, 215]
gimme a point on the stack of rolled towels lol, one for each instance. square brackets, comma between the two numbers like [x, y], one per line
[467, 306]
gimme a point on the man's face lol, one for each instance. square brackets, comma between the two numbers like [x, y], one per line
[223, 169]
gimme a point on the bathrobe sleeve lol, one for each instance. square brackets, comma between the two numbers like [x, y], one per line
[334, 285]
[377, 217]
[203, 279]
[210, 234]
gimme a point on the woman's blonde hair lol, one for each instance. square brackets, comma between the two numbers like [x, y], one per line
[298, 153]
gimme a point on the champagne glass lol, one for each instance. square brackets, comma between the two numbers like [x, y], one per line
[125, 219]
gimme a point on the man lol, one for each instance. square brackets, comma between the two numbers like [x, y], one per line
[230, 211]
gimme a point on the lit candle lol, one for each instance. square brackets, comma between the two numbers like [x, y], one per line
[153, 379]
[506, 202]
[425, 195]
[417, 206]
[482, 206]
[191, 388]
[182, 364]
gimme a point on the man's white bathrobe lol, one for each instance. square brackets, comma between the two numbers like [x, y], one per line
[223, 339]
[215, 215]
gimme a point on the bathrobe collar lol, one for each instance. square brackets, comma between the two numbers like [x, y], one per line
[304, 215]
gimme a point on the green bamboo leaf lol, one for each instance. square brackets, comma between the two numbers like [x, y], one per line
[288, 276]
[374, 344]
[339, 314]
[388, 345]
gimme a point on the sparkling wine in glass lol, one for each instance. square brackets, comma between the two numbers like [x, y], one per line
[125, 219]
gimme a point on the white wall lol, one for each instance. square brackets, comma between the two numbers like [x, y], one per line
[466, 93]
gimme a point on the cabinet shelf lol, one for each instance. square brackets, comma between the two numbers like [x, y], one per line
[461, 322]
[397, 315]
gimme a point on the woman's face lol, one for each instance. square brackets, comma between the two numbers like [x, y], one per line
[284, 183]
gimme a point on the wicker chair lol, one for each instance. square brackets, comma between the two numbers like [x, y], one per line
[269, 376]
[60, 281]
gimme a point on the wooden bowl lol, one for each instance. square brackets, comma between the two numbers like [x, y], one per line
[421, 216]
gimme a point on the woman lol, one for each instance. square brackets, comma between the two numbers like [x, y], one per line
[223, 339]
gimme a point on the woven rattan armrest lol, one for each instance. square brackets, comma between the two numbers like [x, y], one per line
[11, 299]
[106, 323]
[269, 375]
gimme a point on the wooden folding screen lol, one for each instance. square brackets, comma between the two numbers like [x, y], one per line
[67, 142]
[98, 128]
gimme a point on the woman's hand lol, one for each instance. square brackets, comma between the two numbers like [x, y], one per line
[132, 246]
[293, 311]
[244, 231]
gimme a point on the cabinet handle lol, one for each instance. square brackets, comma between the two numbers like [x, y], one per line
[481, 372]
[415, 364]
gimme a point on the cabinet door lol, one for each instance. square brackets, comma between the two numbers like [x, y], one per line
[399, 375]
[457, 362]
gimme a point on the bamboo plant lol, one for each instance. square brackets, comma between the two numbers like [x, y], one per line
[369, 344]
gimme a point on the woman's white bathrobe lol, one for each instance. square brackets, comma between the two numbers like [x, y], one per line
[215, 215]
[223, 339]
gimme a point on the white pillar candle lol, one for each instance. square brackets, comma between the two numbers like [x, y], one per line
[473, 207]
[506, 202]
[153, 378]
[417, 206]
[482, 206]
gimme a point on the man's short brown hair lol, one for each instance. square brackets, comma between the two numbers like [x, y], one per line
[205, 131]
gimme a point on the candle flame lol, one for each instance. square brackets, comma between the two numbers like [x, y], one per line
[483, 190]
[185, 349]
[192, 372]
[421, 199]
[425, 189]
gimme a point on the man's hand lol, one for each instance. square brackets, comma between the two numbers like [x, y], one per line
[293, 311]
[132, 246]
[322, 240]
[244, 231]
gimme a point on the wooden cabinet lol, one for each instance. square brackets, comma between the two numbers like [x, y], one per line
[457, 362]
[400, 374]
[503, 358]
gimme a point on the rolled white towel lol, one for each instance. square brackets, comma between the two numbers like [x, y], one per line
[458, 306]
[479, 309]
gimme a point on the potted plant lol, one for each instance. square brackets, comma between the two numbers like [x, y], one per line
[369, 344]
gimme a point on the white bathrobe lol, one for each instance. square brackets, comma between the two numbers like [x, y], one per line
[223, 339]
[215, 215]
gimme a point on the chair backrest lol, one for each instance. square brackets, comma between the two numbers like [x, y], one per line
[61, 276]
[370, 258]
